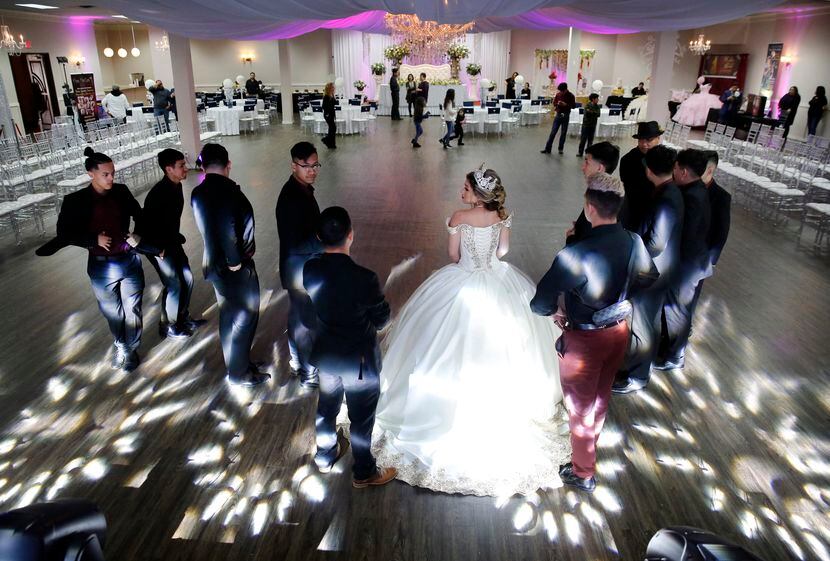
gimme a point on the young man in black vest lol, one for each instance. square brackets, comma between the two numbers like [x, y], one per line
[161, 228]
[225, 219]
[351, 309]
[298, 218]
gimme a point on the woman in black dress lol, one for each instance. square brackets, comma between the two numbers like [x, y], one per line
[411, 85]
[511, 86]
[787, 108]
[817, 107]
[328, 114]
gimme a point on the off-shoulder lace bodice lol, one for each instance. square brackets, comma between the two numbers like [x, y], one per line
[479, 244]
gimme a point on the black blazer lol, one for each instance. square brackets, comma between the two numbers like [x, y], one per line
[662, 230]
[394, 87]
[328, 107]
[225, 219]
[351, 309]
[720, 203]
[76, 213]
[697, 217]
[638, 190]
[298, 216]
[163, 214]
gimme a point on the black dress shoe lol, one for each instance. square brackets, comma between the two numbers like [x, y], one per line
[119, 358]
[578, 154]
[628, 385]
[561, 152]
[669, 365]
[416, 145]
[132, 362]
[544, 151]
[175, 332]
[249, 379]
[193, 324]
[461, 144]
[568, 477]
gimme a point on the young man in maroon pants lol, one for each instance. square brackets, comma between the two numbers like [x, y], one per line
[596, 274]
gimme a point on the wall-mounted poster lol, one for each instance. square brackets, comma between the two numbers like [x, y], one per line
[84, 87]
[771, 68]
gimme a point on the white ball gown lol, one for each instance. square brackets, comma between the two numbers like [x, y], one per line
[694, 111]
[470, 381]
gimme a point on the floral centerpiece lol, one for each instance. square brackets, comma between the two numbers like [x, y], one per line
[450, 82]
[378, 69]
[456, 52]
[473, 69]
[359, 85]
[396, 53]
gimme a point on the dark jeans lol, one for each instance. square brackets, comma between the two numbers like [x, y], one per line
[118, 284]
[645, 334]
[586, 137]
[396, 103]
[458, 132]
[166, 113]
[302, 325]
[177, 279]
[237, 293]
[361, 387]
[419, 130]
[559, 122]
[678, 312]
[330, 137]
[812, 123]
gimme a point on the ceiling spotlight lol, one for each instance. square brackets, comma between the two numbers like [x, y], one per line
[108, 52]
[122, 52]
[135, 52]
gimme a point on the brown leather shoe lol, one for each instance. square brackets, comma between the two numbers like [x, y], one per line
[382, 476]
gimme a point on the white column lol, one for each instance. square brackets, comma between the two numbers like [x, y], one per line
[662, 68]
[162, 65]
[185, 95]
[5, 108]
[574, 41]
[286, 87]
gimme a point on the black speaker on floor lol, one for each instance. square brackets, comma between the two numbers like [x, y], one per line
[684, 543]
[65, 530]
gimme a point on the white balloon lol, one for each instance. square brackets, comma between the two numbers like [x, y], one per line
[596, 86]
[338, 82]
[227, 82]
[520, 80]
[486, 83]
[149, 84]
[240, 79]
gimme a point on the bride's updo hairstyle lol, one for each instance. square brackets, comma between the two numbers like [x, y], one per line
[488, 188]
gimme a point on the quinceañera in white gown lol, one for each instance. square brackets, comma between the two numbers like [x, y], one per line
[470, 384]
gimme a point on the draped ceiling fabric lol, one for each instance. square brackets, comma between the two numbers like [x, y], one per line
[347, 49]
[283, 19]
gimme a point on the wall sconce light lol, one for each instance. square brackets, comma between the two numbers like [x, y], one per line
[247, 58]
[77, 60]
[788, 59]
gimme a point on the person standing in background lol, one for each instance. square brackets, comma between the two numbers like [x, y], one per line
[162, 100]
[253, 87]
[395, 91]
[639, 90]
[420, 105]
[511, 86]
[411, 86]
[563, 102]
[818, 105]
[116, 105]
[787, 108]
[458, 128]
[589, 123]
[448, 113]
[329, 104]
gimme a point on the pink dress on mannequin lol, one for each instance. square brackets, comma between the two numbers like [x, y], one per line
[695, 110]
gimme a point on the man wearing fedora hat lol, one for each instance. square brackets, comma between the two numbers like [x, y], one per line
[638, 188]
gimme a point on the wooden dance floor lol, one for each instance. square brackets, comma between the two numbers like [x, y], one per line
[186, 467]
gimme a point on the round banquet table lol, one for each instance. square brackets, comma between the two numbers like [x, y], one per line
[227, 119]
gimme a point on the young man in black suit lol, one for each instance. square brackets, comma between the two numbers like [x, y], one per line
[633, 176]
[225, 219]
[298, 218]
[97, 219]
[694, 260]
[601, 157]
[720, 202]
[395, 92]
[661, 231]
[351, 308]
[161, 228]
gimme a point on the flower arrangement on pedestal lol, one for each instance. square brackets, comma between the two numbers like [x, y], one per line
[396, 53]
[378, 69]
[456, 52]
[450, 82]
[473, 69]
[359, 85]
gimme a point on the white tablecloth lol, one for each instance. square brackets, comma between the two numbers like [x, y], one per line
[348, 113]
[436, 98]
[260, 103]
[480, 113]
[227, 119]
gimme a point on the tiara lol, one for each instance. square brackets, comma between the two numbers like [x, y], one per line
[484, 183]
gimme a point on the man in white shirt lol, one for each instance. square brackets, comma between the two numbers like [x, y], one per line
[116, 105]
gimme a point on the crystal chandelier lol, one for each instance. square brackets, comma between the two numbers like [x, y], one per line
[9, 43]
[163, 44]
[699, 46]
[428, 41]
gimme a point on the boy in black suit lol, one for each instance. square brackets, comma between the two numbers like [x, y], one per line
[351, 308]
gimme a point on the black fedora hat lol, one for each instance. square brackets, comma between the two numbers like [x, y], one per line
[649, 129]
